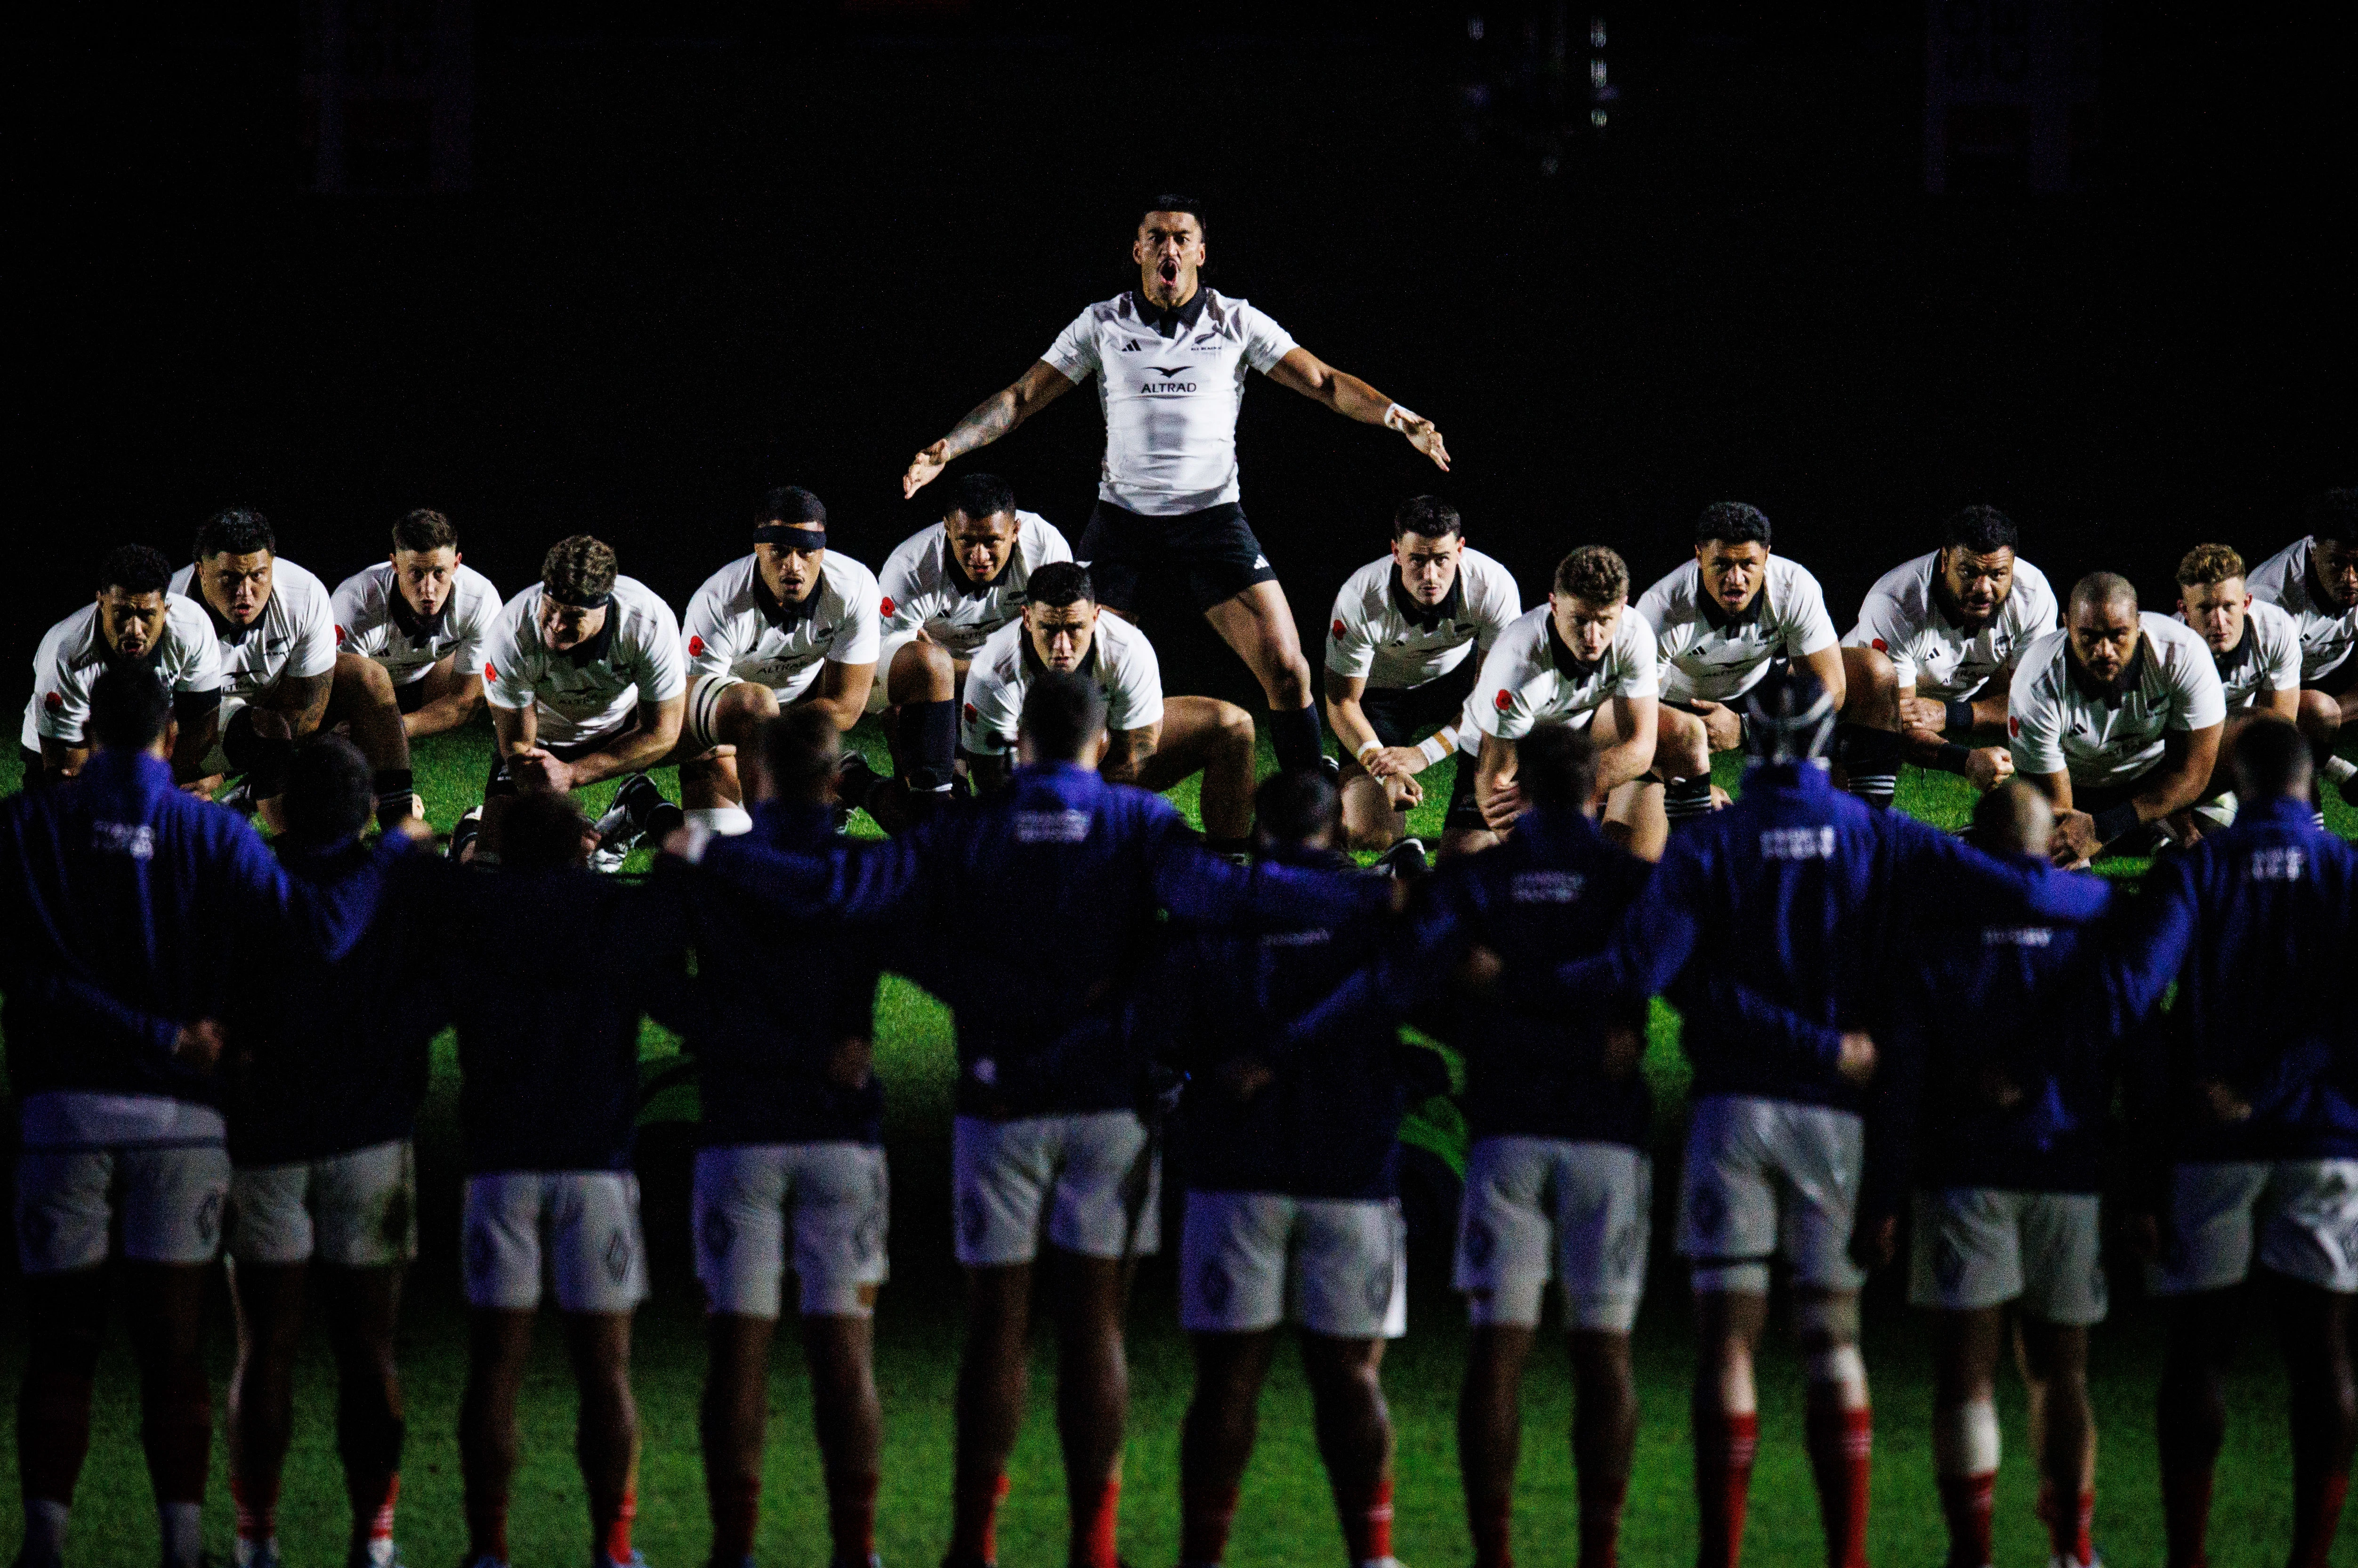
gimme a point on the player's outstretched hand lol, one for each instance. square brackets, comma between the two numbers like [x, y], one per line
[1425, 436]
[541, 770]
[1987, 767]
[1856, 1064]
[1500, 806]
[199, 1047]
[1395, 762]
[925, 467]
[1876, 1242]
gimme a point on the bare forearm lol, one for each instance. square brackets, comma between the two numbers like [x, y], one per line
[1353, 399]
[1350, 725]
[303, 701]
[442, 715]
[2173, 786]
[986, 422]
[635, 753]
[1127, 756]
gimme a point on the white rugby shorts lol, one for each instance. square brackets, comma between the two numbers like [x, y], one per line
[1765, 1177]
[356, 1210]
[839, 1200]
[1081, 1169]
[582, 1225]
[2302, 1216]
[878, 699]
[1586, 1206]
[1343, 1263]
[170, 1199]
[1974, 1248]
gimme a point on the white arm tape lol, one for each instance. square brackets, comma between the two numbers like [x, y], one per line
[1397, 417]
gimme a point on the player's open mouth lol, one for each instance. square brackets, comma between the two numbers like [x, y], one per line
[1167, 269]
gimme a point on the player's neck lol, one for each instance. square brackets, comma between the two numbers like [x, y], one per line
[1177, 302]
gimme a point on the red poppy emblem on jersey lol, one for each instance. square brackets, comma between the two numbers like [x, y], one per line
[1338, 628]
[489, 672]
[972, 713]
[1881, 647]
[695, 647]
[55, 702]
[1506, 699]
[886, 607]
[2014, 726]
[342, 636]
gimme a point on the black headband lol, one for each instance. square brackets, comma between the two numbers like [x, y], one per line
[589, 601]
[798, 535]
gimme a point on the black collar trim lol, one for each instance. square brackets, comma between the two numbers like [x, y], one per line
[602, 647]
[1175, 323]
[1429, 619]
[1568, 663]
[782, 613]
[2237, 657]
[229, 632]
[413, 625]
[1719, 620]
[2131, 677]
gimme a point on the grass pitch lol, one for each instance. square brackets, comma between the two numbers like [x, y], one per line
[1285, 1517]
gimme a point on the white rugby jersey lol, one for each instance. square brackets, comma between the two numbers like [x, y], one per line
[1378, 633]
[1532, 675]
[2328, 631]
[1704, 653]
[2057, 726]
[373, 620]
[591, 691]
[1121, 660]
[186, 658]
[924, 588]
[1902, 617]
[2267, 660]
[1170, 402]
[296, 635]
[735, 627]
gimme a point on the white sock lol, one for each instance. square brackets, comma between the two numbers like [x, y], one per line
[45, 1532]
[1965, 1438]
[2341, 769]
[184, 1535]
[723, 820]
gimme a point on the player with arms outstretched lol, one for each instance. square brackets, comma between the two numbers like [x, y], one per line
[1171, 357]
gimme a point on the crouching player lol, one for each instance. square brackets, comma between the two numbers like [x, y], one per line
[793, 623]
[1293, 1193]
[2256, 648]
[1410, 634]
[136, 621]
[548, 1099]
[584, 678]
[2251, 1146]
[1789, 894]
[792, 1131]
[1995, 1112]
[325, 1187]
[423, 616]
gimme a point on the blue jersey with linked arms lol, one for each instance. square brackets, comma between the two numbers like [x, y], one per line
[1792, 893]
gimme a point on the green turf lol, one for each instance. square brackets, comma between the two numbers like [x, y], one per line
[1285, 1517]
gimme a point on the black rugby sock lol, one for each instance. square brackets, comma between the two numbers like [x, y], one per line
[1294, 734]
[930, 729]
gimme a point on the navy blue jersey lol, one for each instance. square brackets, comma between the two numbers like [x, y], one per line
[547, 976]
[330, 1055]
[1042, 905]
[1793, 893]
[2254, 925]
[128, 908]
[1328, 1126]
[773, 996]
[1978, 1004]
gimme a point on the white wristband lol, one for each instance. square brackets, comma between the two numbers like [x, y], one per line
[1370, 746]
[1396, 417]
[1433, 749]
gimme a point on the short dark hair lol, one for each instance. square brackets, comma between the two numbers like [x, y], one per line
[542, 831]
[2272, 760]
[1172, 201]
[1593, 573]
[424, 529]
[1299, 806]
[2012, 819]
[1556, 765]
[1062, 716]
[235, 531]
[331, 791]
[799, 750]
[1060, 583]
[1428, 517]
[577, 569]
[2102, 589]
[979, 495]
[2334, 515]
[1732, 523]
[1980, 530]
[791, 504]
[135, 570]
[128, 708]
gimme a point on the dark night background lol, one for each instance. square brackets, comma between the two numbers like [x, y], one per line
[710, 248]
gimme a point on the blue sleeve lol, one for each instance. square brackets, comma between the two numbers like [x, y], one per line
[1200, 888]
[329, 917]
[1972, 885]
[863, 883]
[1412, 969]
[1771, 1028]
[1656, 936]
[110, 1021]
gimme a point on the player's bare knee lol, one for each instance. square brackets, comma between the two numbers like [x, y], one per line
[1825, 1320]
[2320, 717]
[1682, 744]
[363, 680]
[1233, 732]
[921, 672]
[1870, 688]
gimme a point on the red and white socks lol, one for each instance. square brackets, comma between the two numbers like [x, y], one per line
[1964, 1457]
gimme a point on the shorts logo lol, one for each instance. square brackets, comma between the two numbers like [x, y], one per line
[1504, 700]
[884, 607]
[1215, 1286]
[1621, 1253]
[719, 1235]
[618, 1255]
[695, 647]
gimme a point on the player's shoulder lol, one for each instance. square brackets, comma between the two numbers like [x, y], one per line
[1039, 540]
[182, 580]
[848, 578]
[914, 554]
[2042, 665]
[1526, 635]
[2179, 644]
[74, 639]
[2278, 575]
[730, 584]
[1367, 590]
[2274, 622]
[1486, 576]
[1126, 642]
[2031, 586]
[1001, 653]
[1906, 589]
[642, 605]
[1788, 579]
[1673, 593]
[521, 606]
[469, 588]
[367, 587]
[298, 585]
